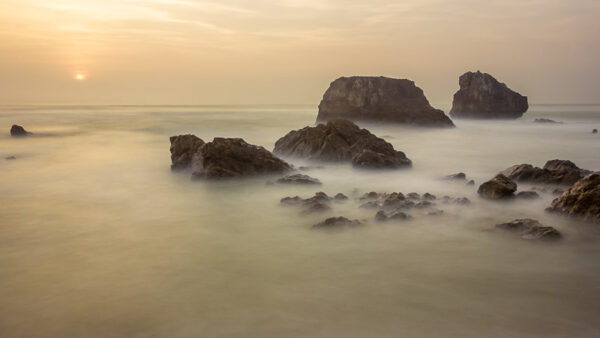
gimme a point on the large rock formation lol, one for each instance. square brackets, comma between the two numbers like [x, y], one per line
[500, 187]
[18, 131]
[481, 96]
[379, 99]
[562, 172]
[583, 199]
[223, 157]
[183, 148]
[342, 141]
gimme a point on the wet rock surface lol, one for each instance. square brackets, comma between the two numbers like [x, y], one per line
[560, 172]
[183, 148]
[341, 141]
[582, 200]
[379, 99]
[18, 131]
[530, 229]
[500, 187]
[298, 179]
[337, 222]
[481, 96]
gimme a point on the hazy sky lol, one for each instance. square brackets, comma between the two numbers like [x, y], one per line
[288, 51]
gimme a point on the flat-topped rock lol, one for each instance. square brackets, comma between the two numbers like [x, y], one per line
[380, 100]
[581, 200]
[337, 222]
[341, 141]
[481, 96]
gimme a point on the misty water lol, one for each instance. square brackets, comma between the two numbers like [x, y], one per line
[98, 238]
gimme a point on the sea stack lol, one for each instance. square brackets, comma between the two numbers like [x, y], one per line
[481, 96]
[380, 100]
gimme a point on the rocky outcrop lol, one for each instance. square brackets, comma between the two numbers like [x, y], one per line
[233, 157]
[481, 96]
[379, 99]
[298, 179]
[561, 172]
[183, 148]
[500, 187]
[18, 131]
[319, 202]
[530, 229]
[341, 141]
[337, 222]
[581, 200]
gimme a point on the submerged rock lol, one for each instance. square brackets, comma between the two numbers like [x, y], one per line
[379, 99]
[561, 172]
[595, 131]
[18, 131]
[456, 177]
[543, 120]
[528, 195]
[500, 187]
[581, 200]
[530, 229]
[342, 141]
[233, 157]
[481, 96]
[183, 148]
[298, 179]
[381, 216]
[10, 158]
[337, 222]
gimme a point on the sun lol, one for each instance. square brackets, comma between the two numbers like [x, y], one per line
[79, 77]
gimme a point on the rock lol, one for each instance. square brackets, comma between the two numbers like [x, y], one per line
[183, 148]
[543, 120]
[581, 200]
[341, 141]
[528, 195]
[428, 196]
[233, 157]
[397, 216]
[18, 131]
[379, 99]
[456, 177]
[369, 205]
[435, 212]
[471, 182]
[370, 195]
[499, 187]
[423, 204]
[413, 196]
[481, 96]
[595, 131]
[340, 197]
[315, 206]
[337, 222]
[380, 216]
[291, 200]
[554, 172]
[530, 229]
[298, 179]
[10, 158]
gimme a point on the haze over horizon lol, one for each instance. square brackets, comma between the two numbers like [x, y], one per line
[288, 51]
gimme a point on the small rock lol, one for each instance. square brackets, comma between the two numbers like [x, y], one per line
[291, 200]
[298, 179]
[500, 187]
[595, 131]
[340, 197]
[9, 158]
[413, 196]
[428, 196]
[18, 131]
[423, 204]
[529, 195]
[471, 182]
[380, 216]
[336, 222]
[456, 177]
[315, 206]
[435, 212]
[369, 205]
[530, 229]
[401, 216]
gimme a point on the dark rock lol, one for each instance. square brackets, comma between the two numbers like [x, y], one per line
[340, 197]
[369, 205]
[481, 96]
[380, 216]
[543, 120]
[9, 158]
[315, 206]
[183, 148]
[471, 182]
[370, 195]
[557, 191]
[499, 187]
[530, 229]
[413, 196]
[291, 200]
[581, 200]
[529, 195]
[298, 179]
[337, 222]
[423, 204]
[341, 141]
[379, 99]
[595, 131]
[18, 131]
[233, 157]
[428, 196]
[456, 177]
[462, 201]
[554, 172]
[400, 216]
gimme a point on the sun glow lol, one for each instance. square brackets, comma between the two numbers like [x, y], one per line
[80, 77]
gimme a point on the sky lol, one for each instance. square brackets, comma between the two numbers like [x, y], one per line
[288, 51]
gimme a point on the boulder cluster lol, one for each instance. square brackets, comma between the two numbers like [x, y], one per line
[559, 172]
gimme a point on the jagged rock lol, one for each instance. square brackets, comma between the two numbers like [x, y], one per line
[581, 200]
[530, 229]
[18, 131]
[183, 148]
[499, 187]
[482, 96]
[456, 177]
[342, 141]
[562, 172]
[528, 195]
[337, 222]
[543, 120]
[298, 179]
[233, 157]
[379, 99]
